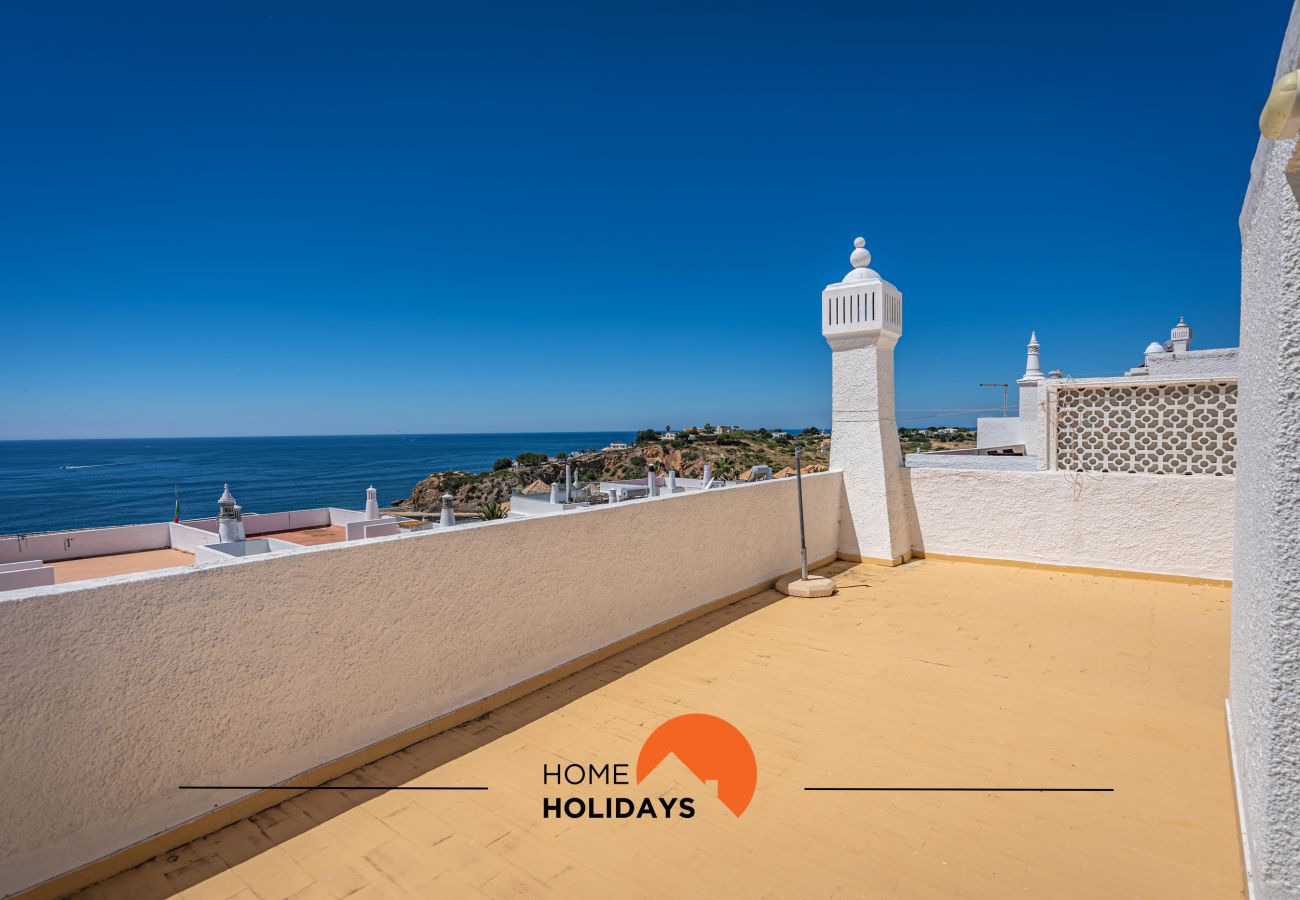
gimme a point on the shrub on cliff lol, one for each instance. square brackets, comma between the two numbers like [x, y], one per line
[504, 462]
[531, 459]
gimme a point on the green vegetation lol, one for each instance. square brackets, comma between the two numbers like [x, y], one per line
[531, 459]
[504, 462]
[935, 438]
[647, 436]
[492, 510]
[724, 468]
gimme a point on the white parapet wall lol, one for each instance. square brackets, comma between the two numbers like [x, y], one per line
[252, 672]
[998, 432]
[1162, 524]
[56, 545]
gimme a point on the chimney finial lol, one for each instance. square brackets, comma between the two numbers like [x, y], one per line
[861, 256]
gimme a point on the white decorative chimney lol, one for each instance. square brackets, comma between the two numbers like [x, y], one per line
[448, 517]
[372, 503]
[1033, 368]
[862, 319]
[1180, 337]
[229, 526]
[1029, 402]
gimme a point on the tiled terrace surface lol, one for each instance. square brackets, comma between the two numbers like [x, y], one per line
[119, 564]
[932, 674]
[308, 537]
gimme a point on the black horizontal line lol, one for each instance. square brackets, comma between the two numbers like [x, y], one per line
[981, 790]
[324, 787]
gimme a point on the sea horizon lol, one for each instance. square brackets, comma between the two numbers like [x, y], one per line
[69, 483]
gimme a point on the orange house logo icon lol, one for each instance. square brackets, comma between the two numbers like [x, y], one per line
[712, 748]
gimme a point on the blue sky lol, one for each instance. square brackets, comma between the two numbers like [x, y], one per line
[376, 218]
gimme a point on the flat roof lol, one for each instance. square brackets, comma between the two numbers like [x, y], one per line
[307, 537]
[932, 674]
[118, 564]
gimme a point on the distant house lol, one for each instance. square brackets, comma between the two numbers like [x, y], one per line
[616, 445]
[725, 429]
[1059, 412]
[669, 436]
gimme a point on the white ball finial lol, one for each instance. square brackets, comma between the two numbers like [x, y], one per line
[861, 256]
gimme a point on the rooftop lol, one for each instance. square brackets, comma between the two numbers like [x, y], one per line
[937, 673]
[89, 567]
[310, 537]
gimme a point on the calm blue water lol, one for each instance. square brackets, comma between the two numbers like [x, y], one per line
[55, 485]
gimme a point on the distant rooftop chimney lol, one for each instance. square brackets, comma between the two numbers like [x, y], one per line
[1180, 337]
[1033, 368]
[230, 526]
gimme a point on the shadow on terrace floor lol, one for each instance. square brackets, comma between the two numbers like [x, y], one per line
[937, 674]
[190, 865]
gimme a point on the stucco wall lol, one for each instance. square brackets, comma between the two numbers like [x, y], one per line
[998, 431]
[1175, 525]
[945, 459]
[1210, 363]
[57, 545]
[866, 448]
[251, 672]
[1265, 684]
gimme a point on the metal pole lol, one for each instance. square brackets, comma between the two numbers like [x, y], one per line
[798, 488]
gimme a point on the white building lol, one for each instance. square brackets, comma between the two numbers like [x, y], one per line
[1082, 423]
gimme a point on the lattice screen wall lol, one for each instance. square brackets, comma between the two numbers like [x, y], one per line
[1161, 429]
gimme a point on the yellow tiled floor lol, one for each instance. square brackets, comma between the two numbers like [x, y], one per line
[932, 674]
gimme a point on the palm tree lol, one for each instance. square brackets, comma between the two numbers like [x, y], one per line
[724, 469]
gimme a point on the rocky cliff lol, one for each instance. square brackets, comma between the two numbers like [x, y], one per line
[731, 456]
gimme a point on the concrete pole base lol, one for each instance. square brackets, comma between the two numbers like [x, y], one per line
[812, 586]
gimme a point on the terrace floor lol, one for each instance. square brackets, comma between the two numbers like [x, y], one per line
[933, 674]
[118, 564]
[308, 537]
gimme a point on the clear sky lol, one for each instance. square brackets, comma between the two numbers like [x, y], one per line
[398, 217]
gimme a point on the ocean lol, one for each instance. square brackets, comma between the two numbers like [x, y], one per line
[57, 485]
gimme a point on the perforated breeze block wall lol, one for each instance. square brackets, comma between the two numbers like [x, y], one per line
[1177, 428]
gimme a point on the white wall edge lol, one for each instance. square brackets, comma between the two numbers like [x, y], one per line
[1241, 808]
[32, 593]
